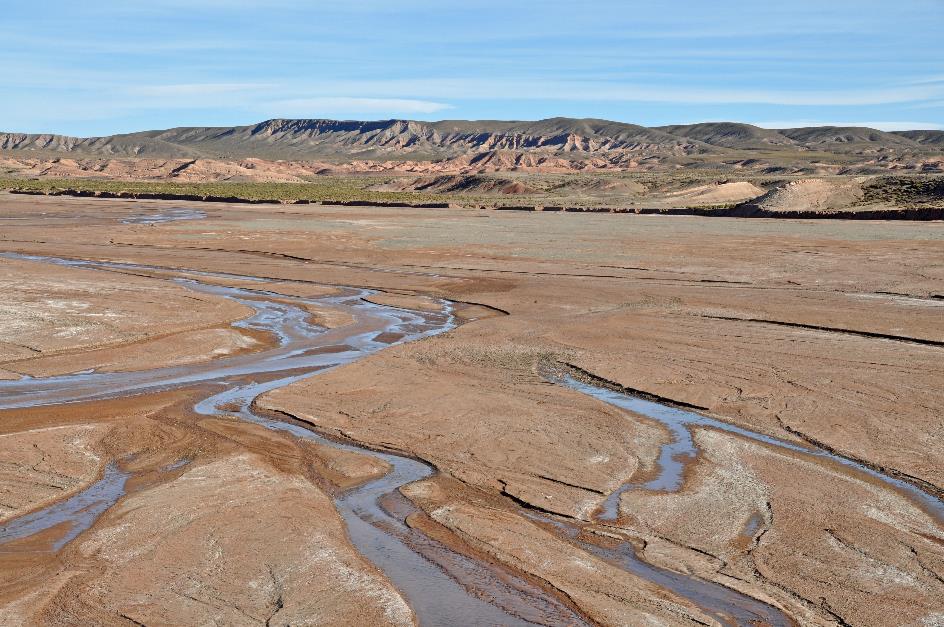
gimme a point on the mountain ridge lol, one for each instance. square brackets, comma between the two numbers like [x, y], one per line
[299, 139]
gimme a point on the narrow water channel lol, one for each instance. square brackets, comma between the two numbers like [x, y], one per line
[442, 586]
[163, 216]
[681, 450]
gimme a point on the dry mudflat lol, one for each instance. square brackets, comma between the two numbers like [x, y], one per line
[824, 336]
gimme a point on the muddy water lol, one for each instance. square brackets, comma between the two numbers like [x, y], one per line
[442, 586]
[727, 605]
[390, 544]
[681, 450]
[163, 216]
[297, 339]
[77, 513]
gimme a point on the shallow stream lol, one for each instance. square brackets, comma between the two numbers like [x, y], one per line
[443, 587]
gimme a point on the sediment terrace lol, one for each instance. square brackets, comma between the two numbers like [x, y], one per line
[532, 498]
[708, 193]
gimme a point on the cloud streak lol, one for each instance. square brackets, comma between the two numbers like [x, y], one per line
[524, 88]
[190, 90]
[323, 105]
[219, 62]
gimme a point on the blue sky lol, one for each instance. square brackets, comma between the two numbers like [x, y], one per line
[101, 67]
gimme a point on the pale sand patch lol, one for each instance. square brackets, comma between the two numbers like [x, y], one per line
[609, 595]
[45, 308]
[175, 350]
[40, 466]
[715, 193]
[188, 552]
[406, 301]
[812, 195]
[801, 537]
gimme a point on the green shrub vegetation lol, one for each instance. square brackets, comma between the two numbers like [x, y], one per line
[337, 189]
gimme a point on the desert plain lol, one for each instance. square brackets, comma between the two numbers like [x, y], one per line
[483, 417]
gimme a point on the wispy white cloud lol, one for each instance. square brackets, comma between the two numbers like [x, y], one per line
[186, 90]
[39, 43]
[173, 62]
[928, 80]
[523, 88]
[928, 104]
[351, 106]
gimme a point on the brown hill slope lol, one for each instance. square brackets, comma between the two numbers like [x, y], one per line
[923, 137]
[730, 134]
[566, 138]
[819, 136]
[307, 139]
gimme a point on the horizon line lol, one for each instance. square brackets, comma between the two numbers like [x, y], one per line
[770, 126]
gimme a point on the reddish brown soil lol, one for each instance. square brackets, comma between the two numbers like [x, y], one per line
[807, 331]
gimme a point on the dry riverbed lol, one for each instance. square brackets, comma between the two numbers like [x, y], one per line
[825, 337]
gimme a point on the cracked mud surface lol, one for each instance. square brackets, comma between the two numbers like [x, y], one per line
[666, 306]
